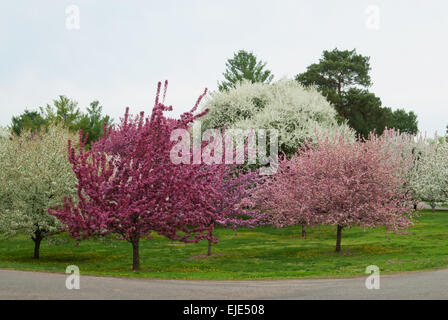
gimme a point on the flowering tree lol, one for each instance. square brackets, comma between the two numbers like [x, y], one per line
[339, 182]
[427, 171]
[282, 197]
[296, 112]
[4, 133]
[35, 175]
[231, 183]
[235, 187]
[430, 177]
[127, 184]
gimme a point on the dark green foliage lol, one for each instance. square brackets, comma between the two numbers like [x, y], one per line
[404, 121]
[363, 111]
[342, 76]
[244, 66]
[28, 120]
[337, 71]
[66, 111]
[93, 122]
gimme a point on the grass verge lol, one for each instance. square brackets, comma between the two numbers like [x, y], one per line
[263, 253]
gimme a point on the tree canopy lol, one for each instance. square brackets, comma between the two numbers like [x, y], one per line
[28, 120]
[93, 122]
[129, 185]
[295, 111]
[35, 175]
[244, 66]
[64, 111]
[336, 72]
[342, 76]
[404, 121]
[339, 182]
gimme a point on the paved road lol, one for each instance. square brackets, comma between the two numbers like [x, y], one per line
[34, 285]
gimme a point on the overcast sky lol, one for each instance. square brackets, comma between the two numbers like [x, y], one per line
[122, 48]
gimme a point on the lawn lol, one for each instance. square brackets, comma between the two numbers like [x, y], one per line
[263, 253]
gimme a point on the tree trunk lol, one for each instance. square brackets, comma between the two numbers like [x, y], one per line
[433, 207]
[37, 238]
[209, 251]
[340, 98]
[135, 254]
[303, 231]
[415, 206]
[338, 239]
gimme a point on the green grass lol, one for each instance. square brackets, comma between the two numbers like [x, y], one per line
[264, 253]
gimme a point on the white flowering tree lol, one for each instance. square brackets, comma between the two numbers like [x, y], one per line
[297, 113]
[427, 174]
[35, 175]
[411, 148]
[430, 178]
[4, 133]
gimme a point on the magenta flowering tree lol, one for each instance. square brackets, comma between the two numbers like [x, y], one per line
[341, 183]
[223, 153]
[128, 185]
[236, 189]
[235, 210]
[222, 166]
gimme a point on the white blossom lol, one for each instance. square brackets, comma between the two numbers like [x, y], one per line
[35, 175]
[297, 113]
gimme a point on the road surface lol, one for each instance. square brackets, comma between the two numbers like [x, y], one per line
[39, 285]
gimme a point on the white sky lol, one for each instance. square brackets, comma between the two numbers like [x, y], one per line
[124, 47]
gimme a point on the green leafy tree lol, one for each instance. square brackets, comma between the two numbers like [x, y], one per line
[363, 112]
[337, 72]
[93, 122]
[342, 76]
[65, 111]
[404, 121]
[35, 175]
[28, 120]
[244, 66]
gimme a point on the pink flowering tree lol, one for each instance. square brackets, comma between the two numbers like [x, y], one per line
[342, 183]
[128, 185]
